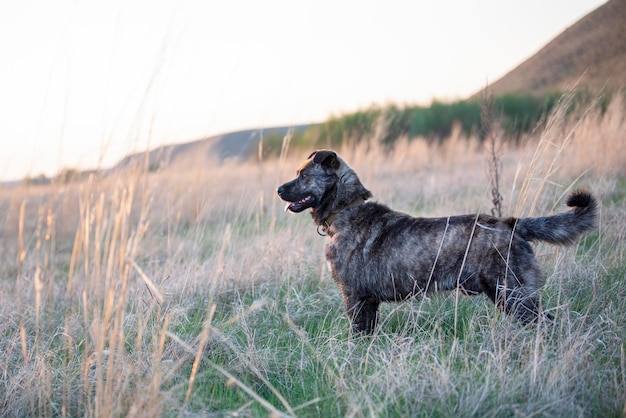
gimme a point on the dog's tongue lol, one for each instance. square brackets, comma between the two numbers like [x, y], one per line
[288, 206]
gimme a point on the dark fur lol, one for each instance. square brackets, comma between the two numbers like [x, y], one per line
[379, 255]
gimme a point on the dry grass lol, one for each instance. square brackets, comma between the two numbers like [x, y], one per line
[192, 293]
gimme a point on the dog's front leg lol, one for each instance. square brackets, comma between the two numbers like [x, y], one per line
[363, 314]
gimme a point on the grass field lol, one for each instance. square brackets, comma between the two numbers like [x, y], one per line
[193, 294]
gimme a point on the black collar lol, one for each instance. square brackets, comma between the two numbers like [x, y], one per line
[325, 226]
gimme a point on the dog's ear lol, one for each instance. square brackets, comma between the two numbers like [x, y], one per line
[327, 159]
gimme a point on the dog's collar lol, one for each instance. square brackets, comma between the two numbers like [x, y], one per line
[323, 228]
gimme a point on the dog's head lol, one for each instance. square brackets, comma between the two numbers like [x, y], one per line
[317, 183]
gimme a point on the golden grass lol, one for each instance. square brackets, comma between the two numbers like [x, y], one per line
[97, 276]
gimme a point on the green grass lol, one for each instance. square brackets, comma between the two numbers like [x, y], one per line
[418, 364]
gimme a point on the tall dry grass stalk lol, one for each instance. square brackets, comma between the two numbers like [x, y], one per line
[190, 292]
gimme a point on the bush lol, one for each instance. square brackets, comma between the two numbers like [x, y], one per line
[518, 114]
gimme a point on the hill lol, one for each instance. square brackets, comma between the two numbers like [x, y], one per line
[591, 52]
[233, 145]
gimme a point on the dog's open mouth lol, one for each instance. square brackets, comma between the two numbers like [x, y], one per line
[300, 205]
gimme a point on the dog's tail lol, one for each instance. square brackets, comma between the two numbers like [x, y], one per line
[564, 228]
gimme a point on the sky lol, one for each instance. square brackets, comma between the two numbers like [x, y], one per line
[85, 82]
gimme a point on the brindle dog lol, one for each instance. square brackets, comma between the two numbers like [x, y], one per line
[380, 255]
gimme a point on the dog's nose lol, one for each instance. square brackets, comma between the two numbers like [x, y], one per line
[280, 190]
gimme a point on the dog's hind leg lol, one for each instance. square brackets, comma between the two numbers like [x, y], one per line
[512, 281]
[518, 300]
[363, 314]
[523, 306]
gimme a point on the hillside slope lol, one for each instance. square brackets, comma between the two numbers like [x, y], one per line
[216, 149]
[591, 52]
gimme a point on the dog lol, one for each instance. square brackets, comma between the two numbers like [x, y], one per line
[380, 255]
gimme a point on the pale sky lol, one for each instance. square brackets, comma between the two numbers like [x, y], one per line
[84, 82]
